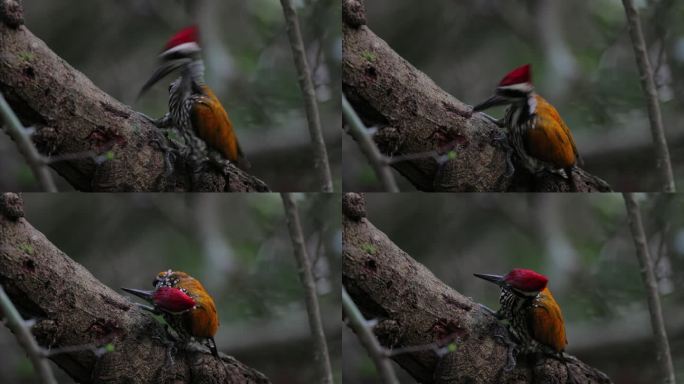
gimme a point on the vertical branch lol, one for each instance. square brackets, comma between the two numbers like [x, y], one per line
[34, 159]
[305, 83]
[656, 119]
[17, 325]
[306, 276]
[368, 340]
[648, 276]
[359, 132]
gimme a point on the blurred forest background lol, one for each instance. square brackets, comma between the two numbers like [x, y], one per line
[249, 66]
[237, 245]
[583, 63]
[582, 243]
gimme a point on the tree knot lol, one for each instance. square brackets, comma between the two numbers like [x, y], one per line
[11, 206]
[12, 13]
[354, 206]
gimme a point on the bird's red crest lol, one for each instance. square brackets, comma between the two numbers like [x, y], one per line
[526, 280]
[186, 35]
[172, 300]
[519, 75]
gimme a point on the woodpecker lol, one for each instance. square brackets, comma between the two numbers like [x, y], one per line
[194, 109]
[539, 137]
[528, 306]
[186, 306]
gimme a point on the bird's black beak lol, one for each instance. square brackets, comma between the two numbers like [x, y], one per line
[491, 102]
[147, 295]
[164, 69]
[496, 279]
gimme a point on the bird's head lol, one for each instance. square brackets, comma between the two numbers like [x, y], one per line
[524, 281]
[182, 49]
[515, 87]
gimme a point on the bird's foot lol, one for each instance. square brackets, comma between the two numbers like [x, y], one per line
[170, 152]
[216, 160]
[169, 342]
[512, 349]
[511, 352]
[500, 140]
[162, 122]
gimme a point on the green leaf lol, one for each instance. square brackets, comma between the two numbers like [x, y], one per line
[369, 56]
[369, 248]
[26, 248]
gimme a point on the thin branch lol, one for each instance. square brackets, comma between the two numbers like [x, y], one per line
[656, 119]
[377, 160]
[306, 276]
[34, 159]
[376, 351]
[657, 322]
[17, 325]
[309, 94]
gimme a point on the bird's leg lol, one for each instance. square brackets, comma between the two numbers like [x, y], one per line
[501, 140]
[217, 160]
[161, 140]
[511, 347]
[162, 122]
[511, 350]
[169, 153]
[571, 179]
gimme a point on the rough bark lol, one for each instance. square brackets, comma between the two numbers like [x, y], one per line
[655, 117]
[313, 309]
[662, 345]
[71, 115]
[414, 115]
[413, 308]
[71, 307]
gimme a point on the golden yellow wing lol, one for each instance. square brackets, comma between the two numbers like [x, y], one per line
[546, 322]
[551, 140]
[212, 124]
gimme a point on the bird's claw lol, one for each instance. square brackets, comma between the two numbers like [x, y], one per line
[511, 352]
[169, 154]
[501, 140]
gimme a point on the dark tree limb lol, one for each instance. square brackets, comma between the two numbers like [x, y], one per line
[23, 333]
[313, 309]
[415, 308]
[663, 164]
[364, 332]
[313, 118]
[414, 115]
[19, 134]
[360, 133]
[71, 308]
[71, 115]
[663, 355]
